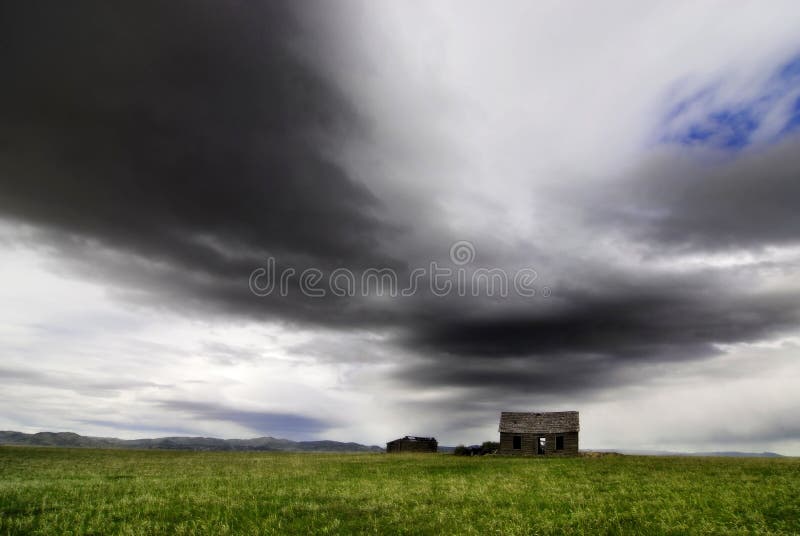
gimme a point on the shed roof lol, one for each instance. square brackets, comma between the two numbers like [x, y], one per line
[551, 422]
[413, 438]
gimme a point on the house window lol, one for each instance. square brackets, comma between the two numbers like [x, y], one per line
[541, 445]
[559, 442]
[517, 442]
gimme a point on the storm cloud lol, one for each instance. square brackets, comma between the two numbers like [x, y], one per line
[153, 154]
[701, 200]
[199, 136]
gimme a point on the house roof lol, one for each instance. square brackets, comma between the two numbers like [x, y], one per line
[551, 422]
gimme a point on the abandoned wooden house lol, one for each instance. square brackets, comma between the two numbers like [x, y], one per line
[539, 434]
[412, 444]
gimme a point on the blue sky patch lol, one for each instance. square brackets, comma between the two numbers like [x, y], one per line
[794, 119]
[708, 119]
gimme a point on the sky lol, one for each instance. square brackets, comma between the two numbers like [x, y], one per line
[366, 219]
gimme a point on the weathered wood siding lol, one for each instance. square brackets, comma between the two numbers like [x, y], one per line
[407, 445]
[545, 422]
[530, 444]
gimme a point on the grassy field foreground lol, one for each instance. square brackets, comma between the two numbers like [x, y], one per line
[76, 491]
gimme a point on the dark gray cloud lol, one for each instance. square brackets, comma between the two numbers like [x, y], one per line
[494, 380]
[702, 201]
[771, 429]
[634, 324]
[588, 340]
[82, 384]
[197, 135]
[262, 422]
[779, 425]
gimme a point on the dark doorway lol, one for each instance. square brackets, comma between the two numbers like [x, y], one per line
[517, 442]
[541, 445]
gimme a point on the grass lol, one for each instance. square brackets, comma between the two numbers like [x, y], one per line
[82, 491]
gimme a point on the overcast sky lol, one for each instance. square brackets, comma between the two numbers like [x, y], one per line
[631, 168]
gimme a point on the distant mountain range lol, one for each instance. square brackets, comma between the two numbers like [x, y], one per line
[725, 454]
[69, 439]
[728, 454]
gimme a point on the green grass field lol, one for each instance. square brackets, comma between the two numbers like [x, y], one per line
[76, 491]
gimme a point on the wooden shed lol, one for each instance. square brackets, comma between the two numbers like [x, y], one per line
[552, 433]
[412, 444]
